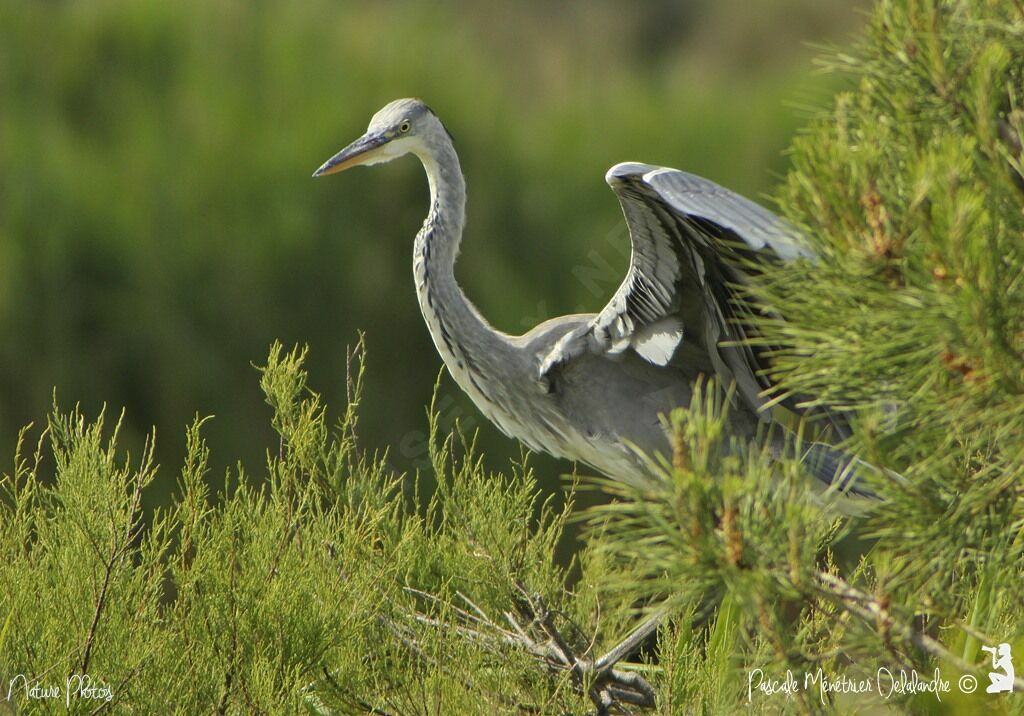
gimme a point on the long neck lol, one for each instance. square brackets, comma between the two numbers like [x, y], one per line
[470, 347]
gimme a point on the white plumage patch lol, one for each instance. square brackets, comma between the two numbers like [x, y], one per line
[657, 342]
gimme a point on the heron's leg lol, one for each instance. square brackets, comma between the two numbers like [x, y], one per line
[628, 645]
[531, 627]
[606, 686]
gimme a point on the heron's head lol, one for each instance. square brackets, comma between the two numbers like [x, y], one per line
[401, 127]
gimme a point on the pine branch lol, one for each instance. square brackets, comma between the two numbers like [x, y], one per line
[871, 610]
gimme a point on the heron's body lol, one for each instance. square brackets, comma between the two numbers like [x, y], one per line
[605, 413]
[595, 387]
[599, 407]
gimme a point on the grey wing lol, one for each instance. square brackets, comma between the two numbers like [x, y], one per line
[692, 241]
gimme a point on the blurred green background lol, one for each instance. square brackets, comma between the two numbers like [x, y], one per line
[159, 226]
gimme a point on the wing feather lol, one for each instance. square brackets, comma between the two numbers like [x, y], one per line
[694, 244]
[688, 235]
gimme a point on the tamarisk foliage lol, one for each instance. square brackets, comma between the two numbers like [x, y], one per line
[322, 587]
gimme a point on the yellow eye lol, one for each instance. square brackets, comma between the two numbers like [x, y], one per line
[404, 127]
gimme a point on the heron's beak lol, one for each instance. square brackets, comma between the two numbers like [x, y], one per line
[364, 150]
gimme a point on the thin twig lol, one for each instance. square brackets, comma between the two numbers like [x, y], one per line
[413, 646]
[117, 552]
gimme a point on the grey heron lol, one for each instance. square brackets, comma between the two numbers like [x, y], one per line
[594, 387]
